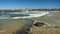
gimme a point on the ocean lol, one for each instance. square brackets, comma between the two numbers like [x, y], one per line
[17, 15]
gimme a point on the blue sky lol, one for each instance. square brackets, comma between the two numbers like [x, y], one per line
[20, 4]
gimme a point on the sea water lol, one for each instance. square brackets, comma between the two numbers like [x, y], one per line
[17, 15]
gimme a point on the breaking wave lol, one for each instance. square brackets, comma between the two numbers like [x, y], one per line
[17, 15]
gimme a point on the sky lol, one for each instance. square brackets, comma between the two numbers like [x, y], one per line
[21, 4]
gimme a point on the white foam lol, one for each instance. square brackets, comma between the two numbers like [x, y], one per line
[38, 14]
[32, 15]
